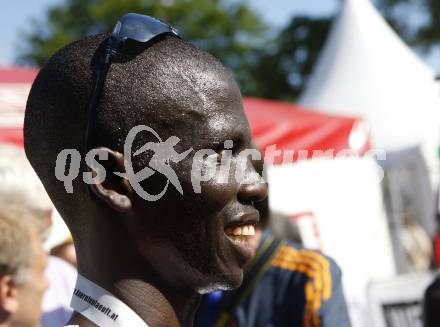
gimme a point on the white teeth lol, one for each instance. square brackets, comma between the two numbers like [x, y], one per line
[237, 231]
[247, 230]
[240, 238]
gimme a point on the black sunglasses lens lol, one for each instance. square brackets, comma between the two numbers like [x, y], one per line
[140, 28]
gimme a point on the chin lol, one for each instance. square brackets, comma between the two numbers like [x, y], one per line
[234, 281]
[226, 282]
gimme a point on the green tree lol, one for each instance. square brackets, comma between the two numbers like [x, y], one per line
[230, 31]
[272, 67]
[422, 32]
[283, 68]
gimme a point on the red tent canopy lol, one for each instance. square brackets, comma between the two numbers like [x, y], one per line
[15, 84]
[273, 122]
[17, 75]
[290, 127]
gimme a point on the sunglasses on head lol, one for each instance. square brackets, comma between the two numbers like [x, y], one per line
[136, 27]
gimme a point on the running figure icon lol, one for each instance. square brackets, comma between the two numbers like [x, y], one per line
[164, 153]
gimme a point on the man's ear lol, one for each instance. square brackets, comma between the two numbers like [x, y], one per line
[8, 295]
[108, 187]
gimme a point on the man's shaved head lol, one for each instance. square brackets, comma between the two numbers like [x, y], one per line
[145, 85]
[184, 242]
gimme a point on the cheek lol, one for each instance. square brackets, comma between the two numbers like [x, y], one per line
[32, 293]
[219, 194]
[208, 176]
[223, 188]
[39, 284]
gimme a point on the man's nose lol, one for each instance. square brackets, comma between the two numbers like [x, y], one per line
[254, 191]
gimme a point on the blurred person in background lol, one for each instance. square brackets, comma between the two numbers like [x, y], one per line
[60, 242]
[284, 284]
[20, 189]
[65, 251]
[20, 184]
[61, 272]
[56, 301]
[22, 266]
[284, 228]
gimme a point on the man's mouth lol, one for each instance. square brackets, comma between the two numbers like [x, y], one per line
[241, 234]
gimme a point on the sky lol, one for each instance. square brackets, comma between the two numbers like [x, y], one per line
[16, 16]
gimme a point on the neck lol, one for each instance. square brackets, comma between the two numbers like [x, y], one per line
[110, 262]
[157, 304]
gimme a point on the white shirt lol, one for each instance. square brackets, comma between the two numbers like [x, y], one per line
[56, 301]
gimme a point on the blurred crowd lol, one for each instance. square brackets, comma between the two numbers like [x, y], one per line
[37, 256]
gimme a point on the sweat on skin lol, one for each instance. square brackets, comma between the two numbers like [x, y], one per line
[157, 257]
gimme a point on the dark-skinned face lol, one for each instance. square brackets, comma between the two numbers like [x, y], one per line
[190, 239]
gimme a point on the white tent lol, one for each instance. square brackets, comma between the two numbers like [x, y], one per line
[365, 70]
[340, 203]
